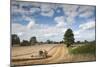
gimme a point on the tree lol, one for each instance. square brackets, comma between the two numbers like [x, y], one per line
[61, 42]
[78, 42]
[85, 41]
[15, 39]
[33, 41]
[24, 43]
[48, 41]
[69, 37]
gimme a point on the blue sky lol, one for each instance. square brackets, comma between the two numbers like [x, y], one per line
[50, 20]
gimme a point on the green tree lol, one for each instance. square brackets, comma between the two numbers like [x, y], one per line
[78, 42]
[33, 41]
[61, 42]
[49, 42]
[15, 39]
[24, 43]
[69, 37]
[85, 41]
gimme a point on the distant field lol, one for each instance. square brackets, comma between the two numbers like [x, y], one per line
[59, 53]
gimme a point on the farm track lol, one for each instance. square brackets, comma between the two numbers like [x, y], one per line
[57, 54]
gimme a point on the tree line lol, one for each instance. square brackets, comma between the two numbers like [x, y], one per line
[32, 41]
[68, 40]
[16, 41]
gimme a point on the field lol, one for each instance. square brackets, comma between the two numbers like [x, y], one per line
[57, 53]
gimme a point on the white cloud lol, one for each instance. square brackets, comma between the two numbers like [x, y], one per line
[42, 32]
[31, 24]
[85, 35]
[47, 9]
[54, 33]
[44, 9]
[49, 13]
[86, 14]
[88, 25]
[16, 27]
[22, 11]
[86, 31]
[35, 9]
[85, 8]
[58, 11]
[70, 20]
[60, 20]
[19, 30]
[20, 33]
[70, 12]
[86, 11]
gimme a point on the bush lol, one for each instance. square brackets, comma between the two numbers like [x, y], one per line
[25, 43]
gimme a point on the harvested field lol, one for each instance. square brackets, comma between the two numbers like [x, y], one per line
[57, 53]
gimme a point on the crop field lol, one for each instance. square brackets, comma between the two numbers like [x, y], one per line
[57, 53]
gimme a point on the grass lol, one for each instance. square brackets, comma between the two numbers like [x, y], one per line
[85, 49]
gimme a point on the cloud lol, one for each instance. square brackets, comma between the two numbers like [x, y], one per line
[20, 33]
[55, 32]
[30, 24]
[88, 25]
[68, 9]
[60, 20]
[86, 31]
[85, 35]
[42, 32]
[34, 10]
[16, 27]
[49, 13]
[25, 8]
[86, 11]
[19, 30]
[47, 9]
[58, 11]
[86, 14]
[85, 8]
[70, 12]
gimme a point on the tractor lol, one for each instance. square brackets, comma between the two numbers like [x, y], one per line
[43, 53]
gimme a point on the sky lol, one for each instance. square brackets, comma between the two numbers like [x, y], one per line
[49, 21]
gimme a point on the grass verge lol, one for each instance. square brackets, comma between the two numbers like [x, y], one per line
[85, 49]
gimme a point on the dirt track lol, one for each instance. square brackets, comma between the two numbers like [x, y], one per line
[58, 54]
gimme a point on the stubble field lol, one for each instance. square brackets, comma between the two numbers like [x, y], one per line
[57, 53]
